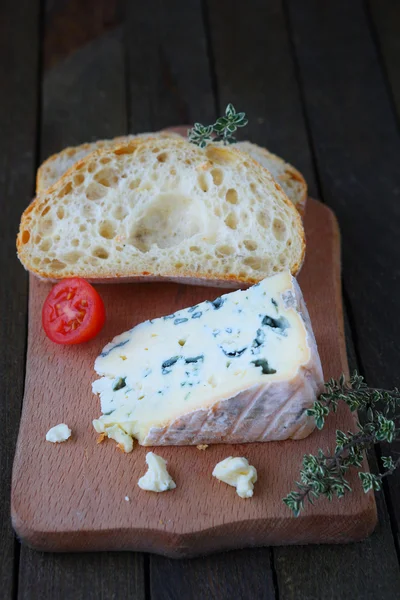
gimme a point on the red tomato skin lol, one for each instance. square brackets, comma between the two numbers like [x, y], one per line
[93, 320]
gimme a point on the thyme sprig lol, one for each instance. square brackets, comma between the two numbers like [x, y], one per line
[324, 474]
[221, 131]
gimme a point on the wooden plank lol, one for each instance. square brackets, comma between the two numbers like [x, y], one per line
[255, 71]
[83, 99]
[385, 24]
[357, 151]
[19, 52]
[241, 574]
[87, 576]
[276, 97]
[244, 72]
[84, 95]
[168, 71]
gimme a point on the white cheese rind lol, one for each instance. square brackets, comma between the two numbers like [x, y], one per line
[237, 472]
[58, 433]
[230, 397]
[157, 478]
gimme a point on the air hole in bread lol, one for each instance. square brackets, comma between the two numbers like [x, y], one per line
[107, 177]
[162, 157]
[242, 274]
[38, 239]
[25, 236]
[134, 183]
[172, 171]
[231, 196]
[45, 211]
[75, 243]
[91, 167]
[128, 149]
[217, 176]
[182, 342]
[202, 181]
[46, 226]
[188, 161]
[119, 212]
[155, 150]
[119, 248]
[250, 245]
[57, 265]
[36, 261]
[264, 219]
[224, 250]
[289, 243]
[45, 245]
[107, 230]
[105, 160]
[60, 212]
[231, 220]
[65, 190]
[94, 191]
[72, 257]
[82, 227]
[168, 220]
[282, 260]
[279, 229]
[217, 211]
[195, 249]
[253, 262]
[253, 187]
[178, 265]
[56, 238]
[100, 252]
[79, 178]
[275, 269]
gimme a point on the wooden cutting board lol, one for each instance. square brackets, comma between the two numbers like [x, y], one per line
[72, 496]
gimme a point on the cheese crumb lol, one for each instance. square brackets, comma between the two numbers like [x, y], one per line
[114, 432]
[157, 478]
[59, 433]
[127, 498]
[237, 472]
[202, 447]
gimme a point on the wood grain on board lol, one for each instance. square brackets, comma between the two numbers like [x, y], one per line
[72, 496]
[354, 130]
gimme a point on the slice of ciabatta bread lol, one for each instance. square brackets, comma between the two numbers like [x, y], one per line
[163, 209]
[289, 178]
[56, 165]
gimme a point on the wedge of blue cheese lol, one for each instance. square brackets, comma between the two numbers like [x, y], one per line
[241, 368]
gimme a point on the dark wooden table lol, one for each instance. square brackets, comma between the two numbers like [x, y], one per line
[320, 82]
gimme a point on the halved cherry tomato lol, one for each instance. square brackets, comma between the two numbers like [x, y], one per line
[73, 312]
